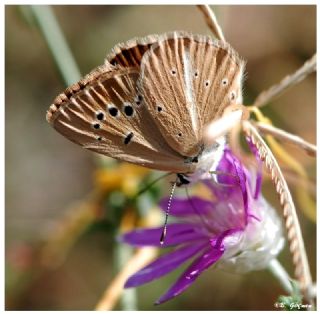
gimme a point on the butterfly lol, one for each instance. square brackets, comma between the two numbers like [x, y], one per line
[149, 103]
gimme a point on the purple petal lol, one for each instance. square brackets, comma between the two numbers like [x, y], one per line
[236, 192]
[226, 165]
[184, 206]
[242, 181]
[239, 170]
[228, 178]
[164, 264]
[227, 236]
[176, 234]
[258, 181]
[191, 274]
[254, 150]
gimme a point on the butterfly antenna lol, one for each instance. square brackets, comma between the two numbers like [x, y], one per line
[149, 185]
[164, 230]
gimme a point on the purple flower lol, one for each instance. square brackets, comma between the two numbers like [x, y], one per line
[235, 229]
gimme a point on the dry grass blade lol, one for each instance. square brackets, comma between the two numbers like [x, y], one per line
[296, 244]
[287, 137]
[58, 46]
[295, 179]
[289, 81]
[111, 295]
[211, 21]
[66, 232]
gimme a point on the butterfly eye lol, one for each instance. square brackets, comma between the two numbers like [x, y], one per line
[224, 82]
[196, 74]
[100, 116]
[206, 83]
[159, 108]
[232, 95]
[173, 71]
[195, 159]
[99, 138]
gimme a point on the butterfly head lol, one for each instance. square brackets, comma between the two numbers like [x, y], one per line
[208, 159]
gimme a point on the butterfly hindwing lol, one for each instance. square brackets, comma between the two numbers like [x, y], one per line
[130, 53]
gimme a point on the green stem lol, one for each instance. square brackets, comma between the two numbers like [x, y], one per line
[57, 43]
[280, 273]
[70, 73]
[129, 296]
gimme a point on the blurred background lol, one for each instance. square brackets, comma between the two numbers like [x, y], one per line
[64, 205]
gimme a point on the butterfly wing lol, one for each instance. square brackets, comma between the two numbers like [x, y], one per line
[188, 80]
[106, 115]
[130, 53]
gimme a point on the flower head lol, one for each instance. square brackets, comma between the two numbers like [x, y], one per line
[234, 229]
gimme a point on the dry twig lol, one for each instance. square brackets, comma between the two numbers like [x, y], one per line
[67, 231]
[289, 81]
[296, 243]
[287, 137]
[211, 21]
[111, 295]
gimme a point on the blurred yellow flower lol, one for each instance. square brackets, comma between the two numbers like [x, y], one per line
[124, 177]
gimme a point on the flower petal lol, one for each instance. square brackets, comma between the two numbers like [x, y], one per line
[191, 274]
[184, 206]
[177, 233]
[254, 150]
[233, 165]
[229, 237]
[227, 178]
[258, 181]
[228, 172]
[164, 264]
[242, 181]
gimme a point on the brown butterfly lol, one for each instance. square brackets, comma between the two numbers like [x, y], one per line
[151, 100]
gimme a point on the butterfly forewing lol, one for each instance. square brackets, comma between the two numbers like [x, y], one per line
[188, 80]
[109, 117]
